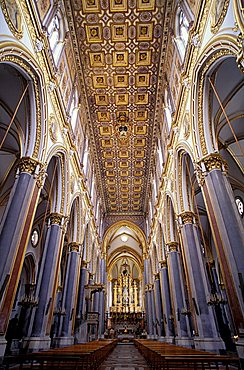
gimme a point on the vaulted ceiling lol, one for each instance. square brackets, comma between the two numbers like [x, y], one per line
[119, 45]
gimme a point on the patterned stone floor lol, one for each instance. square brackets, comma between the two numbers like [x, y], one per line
[125, 356]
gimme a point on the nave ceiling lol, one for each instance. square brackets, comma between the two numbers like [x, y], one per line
[119, 45]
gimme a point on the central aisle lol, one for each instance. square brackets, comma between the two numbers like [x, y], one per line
[125, 356]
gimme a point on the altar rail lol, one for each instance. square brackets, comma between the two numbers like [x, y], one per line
[87, 356]
[171, 357]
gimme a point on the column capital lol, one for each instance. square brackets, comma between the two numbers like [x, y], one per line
[74, 247]
[163, 263]
[213, 161]
[156, 276]
[145, 256]
[187, 217]
[29, 165]
[172, 246]
[56, 218]
[84, 264]
[104, 255]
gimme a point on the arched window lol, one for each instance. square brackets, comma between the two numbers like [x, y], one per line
[168, 109]
[74, 108]
[56, 35]
[182, 32]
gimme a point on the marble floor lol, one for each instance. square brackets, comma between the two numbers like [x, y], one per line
[125, 356]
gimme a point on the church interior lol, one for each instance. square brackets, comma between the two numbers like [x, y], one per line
[121, 180]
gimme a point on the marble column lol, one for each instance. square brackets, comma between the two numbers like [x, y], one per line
[95, 302]
[181, 323]
[81, 326]
[153, 309]
[228, 234]
[149, 311]
[101, 327]
[148, 297]
[70, 295]
[46, 285]
[206, 334]
[14, 234]
[158, 306]
[166, 302]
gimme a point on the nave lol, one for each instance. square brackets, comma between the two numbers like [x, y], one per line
[125, 356]
[139, 354]
[121, 178]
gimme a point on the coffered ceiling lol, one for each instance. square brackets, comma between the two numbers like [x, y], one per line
[119, 47]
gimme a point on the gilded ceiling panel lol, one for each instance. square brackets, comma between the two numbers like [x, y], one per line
[119, 42]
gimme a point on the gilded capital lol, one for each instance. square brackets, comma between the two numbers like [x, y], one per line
[163, 263]
[56, 218]
[145, 256]
[84, 264]
[103, 255]
[74, 247]
[172, 246]
[214, 161]
[156, 276]
[28, 164]
[187, 217]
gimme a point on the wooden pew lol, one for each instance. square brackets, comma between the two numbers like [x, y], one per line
[87, 356]
[170, 357]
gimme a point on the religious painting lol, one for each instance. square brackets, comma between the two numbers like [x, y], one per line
[123, 154]
[109, 164]
[138, 173]
[137, 181]
[140, 130]
[121, 80]
[94, 33]
[139, 142]
[103, 116]
[122, 115]
[90, 6]
[123, 164]
[105, 130]
[218, 13]
[139, 154]
[101, 99]
[141, 115]
[108, 154]
[143, 5]
[107, 143]
[139, 164]
[118, 5]
[121, 99]
[13, 16]
[120, 58]
[43, 7]
[119, 32]
[143, 57]
[144, 31]
[99, 81]
[142, 79]
[141, 98]
[97, 59]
